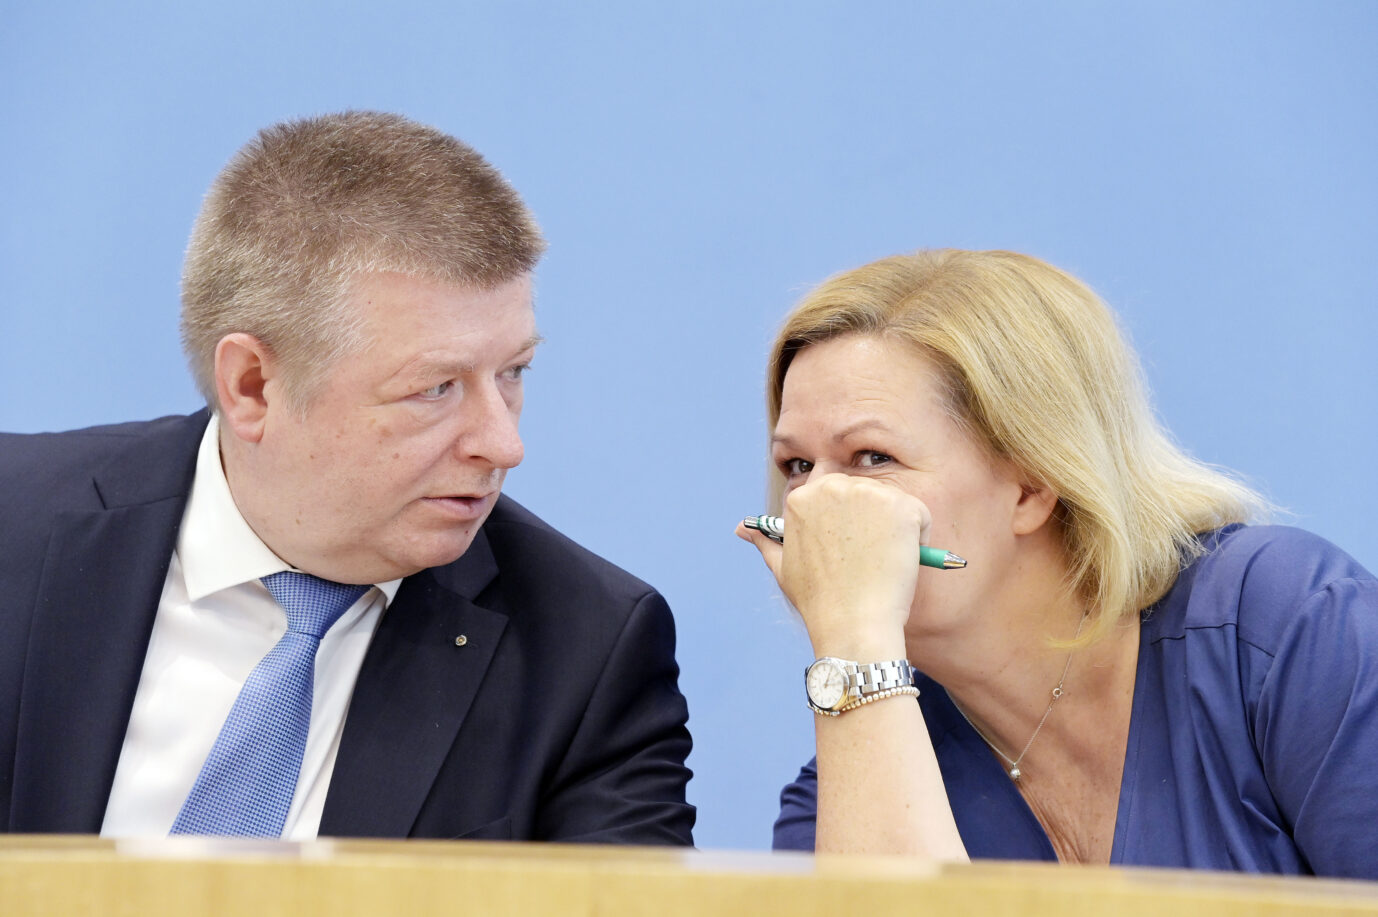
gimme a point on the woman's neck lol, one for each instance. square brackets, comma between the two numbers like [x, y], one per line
[1001, 668]
[1002, 662]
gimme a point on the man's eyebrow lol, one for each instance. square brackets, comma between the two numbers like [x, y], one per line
[438, 368]
[421, 367]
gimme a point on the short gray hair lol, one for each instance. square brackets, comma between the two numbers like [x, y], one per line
[308, 205]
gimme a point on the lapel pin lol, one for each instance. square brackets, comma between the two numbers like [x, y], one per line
[461, 640]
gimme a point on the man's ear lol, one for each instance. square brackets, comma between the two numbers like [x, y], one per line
[243, 367]
[1034, 507]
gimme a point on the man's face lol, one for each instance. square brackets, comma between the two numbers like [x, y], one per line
[402, 452]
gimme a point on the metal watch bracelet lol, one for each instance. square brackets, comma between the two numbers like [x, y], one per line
[863, 681]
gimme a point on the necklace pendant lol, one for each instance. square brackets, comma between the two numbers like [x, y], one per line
[1016, 773]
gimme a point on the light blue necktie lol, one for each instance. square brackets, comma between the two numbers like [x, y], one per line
[247, 783]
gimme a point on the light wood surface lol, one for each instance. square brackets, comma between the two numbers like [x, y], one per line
[176, 877]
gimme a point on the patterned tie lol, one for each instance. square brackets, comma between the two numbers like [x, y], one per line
[247, 783]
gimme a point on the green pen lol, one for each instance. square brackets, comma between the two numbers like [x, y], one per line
[773, 527]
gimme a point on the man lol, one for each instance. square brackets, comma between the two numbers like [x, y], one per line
[357, 313]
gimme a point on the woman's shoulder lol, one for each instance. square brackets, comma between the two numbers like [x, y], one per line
[1264, 657]
[1259, 579]
[1284, 545]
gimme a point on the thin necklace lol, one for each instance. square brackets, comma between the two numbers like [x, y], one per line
[1014, 772]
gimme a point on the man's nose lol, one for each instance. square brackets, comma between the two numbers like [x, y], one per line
[492, 432]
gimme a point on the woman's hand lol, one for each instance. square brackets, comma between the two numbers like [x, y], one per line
[850, 565]
[850, 562]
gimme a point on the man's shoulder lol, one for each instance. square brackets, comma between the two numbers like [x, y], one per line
[47, 467]
[517, 535]
[79, 446]
[46, 478]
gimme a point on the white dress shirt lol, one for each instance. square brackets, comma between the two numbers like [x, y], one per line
[215, 622]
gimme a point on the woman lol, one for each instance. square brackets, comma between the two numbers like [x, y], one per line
[1164, 685]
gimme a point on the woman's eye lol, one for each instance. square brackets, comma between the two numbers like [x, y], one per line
[872, 459]
[796, 466]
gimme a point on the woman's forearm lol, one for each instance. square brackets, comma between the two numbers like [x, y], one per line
[879, 788]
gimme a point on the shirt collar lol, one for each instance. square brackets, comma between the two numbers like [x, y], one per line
[217, 548]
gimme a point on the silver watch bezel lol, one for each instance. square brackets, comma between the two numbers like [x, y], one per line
[847, 687]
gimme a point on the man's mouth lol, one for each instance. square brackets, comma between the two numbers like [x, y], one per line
[465, 507]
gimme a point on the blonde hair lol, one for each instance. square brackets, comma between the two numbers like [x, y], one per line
[308, 205]
[1037, 371]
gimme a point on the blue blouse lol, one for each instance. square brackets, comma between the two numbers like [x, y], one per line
[1253, 738]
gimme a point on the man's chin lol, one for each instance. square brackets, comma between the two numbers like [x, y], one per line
[440, 550]
[431, 542]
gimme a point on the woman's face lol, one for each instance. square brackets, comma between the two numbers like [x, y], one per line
[867, 405]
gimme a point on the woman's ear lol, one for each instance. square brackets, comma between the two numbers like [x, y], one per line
[1035, 506]
[243, 366]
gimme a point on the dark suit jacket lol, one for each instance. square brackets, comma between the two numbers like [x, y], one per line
[559, 719]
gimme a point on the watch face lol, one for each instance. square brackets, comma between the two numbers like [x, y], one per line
[826, 684]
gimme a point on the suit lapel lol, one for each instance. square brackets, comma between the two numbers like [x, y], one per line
[97, 600]
[414, 690]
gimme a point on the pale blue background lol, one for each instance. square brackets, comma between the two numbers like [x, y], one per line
[1209, 167]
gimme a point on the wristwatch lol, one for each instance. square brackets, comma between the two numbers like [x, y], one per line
[832, 685]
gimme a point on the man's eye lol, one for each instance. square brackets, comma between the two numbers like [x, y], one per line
[872, 459]
[515, 373]
[436, 391]
[795, 466]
